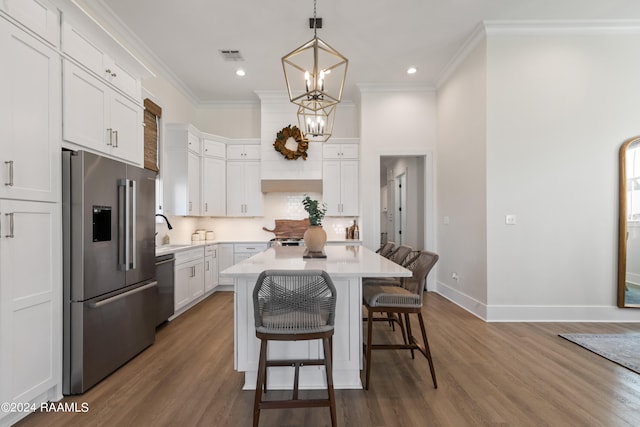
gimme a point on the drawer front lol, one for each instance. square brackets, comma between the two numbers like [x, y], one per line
[189, 255]
[249, 247]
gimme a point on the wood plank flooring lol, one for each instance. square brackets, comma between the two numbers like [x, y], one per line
[489, 374]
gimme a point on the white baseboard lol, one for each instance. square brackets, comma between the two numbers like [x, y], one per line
[538, 313]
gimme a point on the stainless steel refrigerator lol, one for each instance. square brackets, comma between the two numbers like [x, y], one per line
[109, 266]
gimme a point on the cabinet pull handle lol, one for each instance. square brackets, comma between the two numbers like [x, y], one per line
[10, 163]
[110, 136]
[190, 206]
[10, 235]
[207, 265]
[108, 71]
[206, 207]
[116, 134]
[114, 75]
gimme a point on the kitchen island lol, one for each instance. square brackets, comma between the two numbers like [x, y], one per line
[346, 265]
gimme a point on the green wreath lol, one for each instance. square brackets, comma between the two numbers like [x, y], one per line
[281, 141]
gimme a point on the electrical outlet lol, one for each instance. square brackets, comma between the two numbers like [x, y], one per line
[510, 219]
[455, 276]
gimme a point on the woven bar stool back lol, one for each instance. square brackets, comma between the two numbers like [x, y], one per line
[294, 305]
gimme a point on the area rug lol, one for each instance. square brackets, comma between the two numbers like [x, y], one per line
[623, 349]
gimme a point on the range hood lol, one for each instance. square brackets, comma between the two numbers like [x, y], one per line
[292, 186]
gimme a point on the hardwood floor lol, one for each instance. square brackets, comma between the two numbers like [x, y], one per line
[489, 374]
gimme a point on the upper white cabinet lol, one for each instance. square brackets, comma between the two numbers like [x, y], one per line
[340, 179]
[243, 152]
[244, 194]
[38, 16]
[214, 178]
[83, 49]
[100, 118]
[338, 151]
[181, 171]
[29, 117]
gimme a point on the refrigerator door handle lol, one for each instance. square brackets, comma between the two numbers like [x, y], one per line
[122, 226]
[133, 219]
[122, 295]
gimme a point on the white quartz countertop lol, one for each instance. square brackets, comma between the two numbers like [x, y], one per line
[341, 261]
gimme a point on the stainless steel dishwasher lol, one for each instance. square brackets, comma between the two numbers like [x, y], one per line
[164, 274]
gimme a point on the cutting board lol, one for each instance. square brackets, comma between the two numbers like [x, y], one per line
[289, 228]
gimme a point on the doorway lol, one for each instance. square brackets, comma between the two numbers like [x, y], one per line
[402, 199]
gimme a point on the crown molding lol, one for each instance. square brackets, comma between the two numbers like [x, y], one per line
[537, 27]
[104, 13]
[477, 36]
[394, 87]
[559, 27]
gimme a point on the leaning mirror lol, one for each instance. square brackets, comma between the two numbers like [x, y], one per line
[629, 225]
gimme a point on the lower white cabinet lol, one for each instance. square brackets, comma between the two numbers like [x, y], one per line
[188, 277]
[210, 268]
[225, 260]
[30, 304]
[242, 251]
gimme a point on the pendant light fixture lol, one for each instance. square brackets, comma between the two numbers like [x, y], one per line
[316, 122]
[315, 75]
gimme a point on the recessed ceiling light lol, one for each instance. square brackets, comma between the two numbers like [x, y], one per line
[240, 72]
[412, 70]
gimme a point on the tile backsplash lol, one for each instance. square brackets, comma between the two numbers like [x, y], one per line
[276, 206]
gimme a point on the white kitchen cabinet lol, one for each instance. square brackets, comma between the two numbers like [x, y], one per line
[340, 187]
[340, 151]
[210, 268]
[225, 260]
[30, 118]
[98, 118]
[214, 178]
[189, 277]
[242, 251]
[244, 194]
[181, 171]
[30, 304]
[87, 52]
[340, 177]
[243, 152]
[39, 16]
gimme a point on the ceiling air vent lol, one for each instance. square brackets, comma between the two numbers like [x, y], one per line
[231, 55]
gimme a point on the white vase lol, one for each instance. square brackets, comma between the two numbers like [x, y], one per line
[315, 238]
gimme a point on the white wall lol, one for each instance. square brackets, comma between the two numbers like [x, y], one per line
[461, 181]
[230, 120]
[559, 105]
[393, 122]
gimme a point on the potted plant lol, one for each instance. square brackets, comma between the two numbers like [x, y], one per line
[315, 237]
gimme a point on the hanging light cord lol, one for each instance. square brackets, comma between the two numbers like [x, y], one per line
[315, 22]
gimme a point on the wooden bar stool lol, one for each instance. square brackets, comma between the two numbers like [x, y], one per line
[399, 300]
[294, 305]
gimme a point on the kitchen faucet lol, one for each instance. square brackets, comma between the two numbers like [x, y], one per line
[168, 223]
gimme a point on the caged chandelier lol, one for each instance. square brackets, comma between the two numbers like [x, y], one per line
[315, 75]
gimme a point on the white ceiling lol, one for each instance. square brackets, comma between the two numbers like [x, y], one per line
[381, 38]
